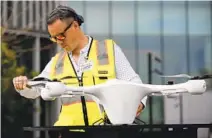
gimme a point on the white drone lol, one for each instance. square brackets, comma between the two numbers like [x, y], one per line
[119, 98]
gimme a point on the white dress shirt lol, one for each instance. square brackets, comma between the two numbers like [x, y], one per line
[123, 69]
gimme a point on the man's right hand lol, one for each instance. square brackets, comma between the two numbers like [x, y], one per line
[20, 82]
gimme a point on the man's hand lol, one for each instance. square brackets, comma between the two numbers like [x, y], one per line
[20, 82]
[140, 108]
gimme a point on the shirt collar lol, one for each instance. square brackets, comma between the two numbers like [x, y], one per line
[86, 48]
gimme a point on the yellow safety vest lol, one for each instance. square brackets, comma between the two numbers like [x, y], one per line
[101, 54]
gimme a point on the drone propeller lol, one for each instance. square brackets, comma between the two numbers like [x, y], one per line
[41, 79]
[207, 76]
[178, 76]
[70, 77]
[38, 81]
[54, 80]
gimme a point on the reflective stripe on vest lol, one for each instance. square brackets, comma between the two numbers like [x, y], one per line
[60, 64]
[102, 55]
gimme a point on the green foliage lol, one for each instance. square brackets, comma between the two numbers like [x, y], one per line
[16, 110]
[9, 67]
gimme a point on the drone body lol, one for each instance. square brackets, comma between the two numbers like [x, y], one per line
[119, 98]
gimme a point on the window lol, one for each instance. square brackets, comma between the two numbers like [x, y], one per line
[97, 18]
[174, 18]
[199, 36]
[149, 17]
[123, 28]
[123, 18]
[78, 6]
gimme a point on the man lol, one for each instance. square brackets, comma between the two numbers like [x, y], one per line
[87, 60]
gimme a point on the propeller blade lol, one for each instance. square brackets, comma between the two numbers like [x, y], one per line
[208, 76]
[40, 79]
[69, 77]
[178, 76]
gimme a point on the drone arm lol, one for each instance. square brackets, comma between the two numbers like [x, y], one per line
[45, 95]
[191, 86]
[83, 90]
[51, 90]
[56, 89]
[196, 86]
[161, 88]
[32, 89]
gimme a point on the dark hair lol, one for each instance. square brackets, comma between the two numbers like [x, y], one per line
[64, 12]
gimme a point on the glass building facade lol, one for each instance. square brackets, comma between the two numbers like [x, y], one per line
[179, 33]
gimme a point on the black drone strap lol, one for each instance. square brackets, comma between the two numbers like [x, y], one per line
[84, 107]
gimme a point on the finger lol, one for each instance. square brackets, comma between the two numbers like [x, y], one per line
[20, 82]
[16, 83]
[25, 80]
[141, 106]
[138, 112]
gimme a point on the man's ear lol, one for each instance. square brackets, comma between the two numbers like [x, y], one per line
[75, 24]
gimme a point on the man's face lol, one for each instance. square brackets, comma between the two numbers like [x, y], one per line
[64, 33]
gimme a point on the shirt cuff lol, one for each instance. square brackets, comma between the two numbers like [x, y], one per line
[143, 101]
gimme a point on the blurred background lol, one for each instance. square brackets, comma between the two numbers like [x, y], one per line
[158, 37]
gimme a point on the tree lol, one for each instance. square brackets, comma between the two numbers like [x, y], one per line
[16, 48]
[13, 105]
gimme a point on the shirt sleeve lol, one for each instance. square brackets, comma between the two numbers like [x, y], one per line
[33, 93]
[124, 70]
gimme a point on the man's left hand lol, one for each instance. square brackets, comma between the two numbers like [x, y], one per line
[140, 108]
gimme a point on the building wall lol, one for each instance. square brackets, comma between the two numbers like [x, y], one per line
[26, 15]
